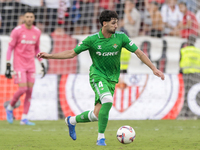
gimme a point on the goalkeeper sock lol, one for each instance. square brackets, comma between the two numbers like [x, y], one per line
[17, 95]
[9, 107]
[103, 117]
[87, 116]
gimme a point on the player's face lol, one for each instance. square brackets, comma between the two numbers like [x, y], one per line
[111, 26]
[29, 18]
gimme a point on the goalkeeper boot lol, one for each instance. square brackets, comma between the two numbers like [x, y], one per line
[26, 122]
[9, 116]
[72, 132]
[101, 142]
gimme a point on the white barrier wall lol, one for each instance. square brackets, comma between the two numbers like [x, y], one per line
[141, 99]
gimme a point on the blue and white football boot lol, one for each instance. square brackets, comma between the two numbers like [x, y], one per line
[26, 122]
[101, 142]
[9, 116]
[72, 132]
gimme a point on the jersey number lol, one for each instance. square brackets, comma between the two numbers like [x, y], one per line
[100, 84]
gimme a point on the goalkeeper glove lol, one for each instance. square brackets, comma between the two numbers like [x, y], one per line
[8, 71]
[43, 70]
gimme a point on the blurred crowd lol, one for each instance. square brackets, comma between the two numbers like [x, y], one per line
[156, 18]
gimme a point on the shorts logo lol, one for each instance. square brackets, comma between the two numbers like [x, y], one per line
[115, 45]
[99, 47]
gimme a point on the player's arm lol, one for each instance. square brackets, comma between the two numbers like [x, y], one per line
[62, 55]
[84, 45]
[130, 45]
[147, 61]
[37, 50]
[11, 46]
[8, 64]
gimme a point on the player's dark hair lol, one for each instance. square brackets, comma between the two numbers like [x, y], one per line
[107, 15]
[29, 11]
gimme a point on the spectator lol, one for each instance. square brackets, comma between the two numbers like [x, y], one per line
[159, 2]
[52, 11]
[83, 20]
[107, 4]
[63, 10]
[189, 24]
[61, 42]
[153, 24]
[198, 20]
[171, 16]
[132, 19]
[191, 4]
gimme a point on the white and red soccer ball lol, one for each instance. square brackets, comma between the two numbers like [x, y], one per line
[126, 134]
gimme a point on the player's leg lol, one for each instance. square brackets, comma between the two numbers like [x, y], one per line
[27, 100]
[20, 79]
[87, 116]
[106, 101]
[103, 96]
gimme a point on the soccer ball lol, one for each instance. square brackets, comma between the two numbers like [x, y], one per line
[125, 134]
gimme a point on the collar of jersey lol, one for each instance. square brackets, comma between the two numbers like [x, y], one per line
[102, 37]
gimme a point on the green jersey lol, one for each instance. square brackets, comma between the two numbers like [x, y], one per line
[105, 53]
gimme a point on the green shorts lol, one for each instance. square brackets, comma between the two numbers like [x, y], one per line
[101, 87]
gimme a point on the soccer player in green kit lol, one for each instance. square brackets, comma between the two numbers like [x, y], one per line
[105, 49]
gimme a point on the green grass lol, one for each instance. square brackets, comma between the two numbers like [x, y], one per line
[53, 135]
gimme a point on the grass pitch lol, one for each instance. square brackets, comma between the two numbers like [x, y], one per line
[54, 135]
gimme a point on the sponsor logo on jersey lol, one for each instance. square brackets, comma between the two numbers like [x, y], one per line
[98, 53]
[99, 47]
[24, 36]
[107, 53]
[27, 42]
[34, 36]
[115, 45]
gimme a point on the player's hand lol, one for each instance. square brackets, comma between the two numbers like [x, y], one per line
[43, 55]
[8, 71]
[159, 74]
[43, 70]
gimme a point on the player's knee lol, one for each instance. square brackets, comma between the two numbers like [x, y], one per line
[107, 99]
[92, 116]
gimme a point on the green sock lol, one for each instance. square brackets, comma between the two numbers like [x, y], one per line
[83, 117]
[103, 117]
